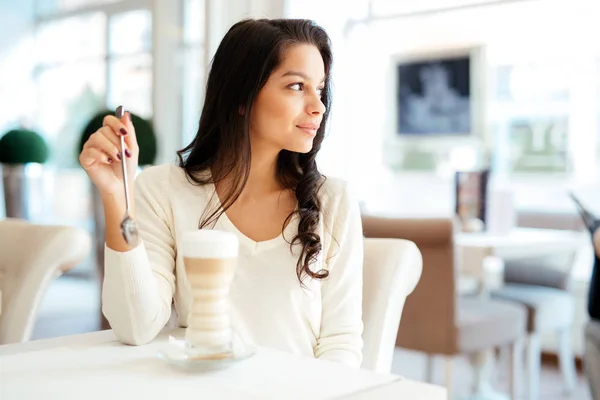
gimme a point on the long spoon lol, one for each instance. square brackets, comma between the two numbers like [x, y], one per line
[129, 228]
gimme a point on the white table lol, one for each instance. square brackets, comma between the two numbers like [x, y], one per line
[96, 366]
[520, 242]
[475, 248]
[399, 390]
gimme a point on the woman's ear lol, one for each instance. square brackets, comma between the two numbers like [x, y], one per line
[241, 110]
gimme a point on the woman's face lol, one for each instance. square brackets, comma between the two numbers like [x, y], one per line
[288, 110]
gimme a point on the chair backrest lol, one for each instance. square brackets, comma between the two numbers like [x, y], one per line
[391, 270]
[428, 323]
[550, 220]
[553, 270]
[31, 257]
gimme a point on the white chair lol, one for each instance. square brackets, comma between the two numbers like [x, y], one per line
[543, 284]
[31, 256]
[391, 271]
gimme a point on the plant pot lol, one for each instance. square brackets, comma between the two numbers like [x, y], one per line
[25, 191]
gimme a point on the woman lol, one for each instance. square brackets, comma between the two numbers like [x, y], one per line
[250, 170]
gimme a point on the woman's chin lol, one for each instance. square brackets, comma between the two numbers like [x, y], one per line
[300, 147]
[303, 149]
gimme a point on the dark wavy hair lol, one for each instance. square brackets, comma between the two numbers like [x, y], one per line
[248, 54]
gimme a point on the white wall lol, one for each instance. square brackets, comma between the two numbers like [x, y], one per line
[335, 157]
[363, 117]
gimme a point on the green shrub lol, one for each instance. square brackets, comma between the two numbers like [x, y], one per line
[22, 146]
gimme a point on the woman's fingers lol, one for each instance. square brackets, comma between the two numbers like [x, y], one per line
[100, 140]
[131, 137]
[91, 155]
[109, 133]
[123, 127]
[116, 125]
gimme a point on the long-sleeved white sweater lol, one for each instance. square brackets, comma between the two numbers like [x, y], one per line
[267, 302]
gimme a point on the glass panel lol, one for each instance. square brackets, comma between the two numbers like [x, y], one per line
[130, 84]
[67, 97]
[131, 32]
[71, 38]
[392, 7]
[193, 82]
[48, 7]
[531, 112]
[17, 89]
[194, 20]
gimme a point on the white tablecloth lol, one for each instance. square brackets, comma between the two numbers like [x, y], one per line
[96, 366]
[523, 242]
[400, 390]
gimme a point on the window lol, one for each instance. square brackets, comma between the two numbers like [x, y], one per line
[394, 7]
[530, 114]
[90, 55]
[130, 62]
[194, 67]
[542, 114]
[50, 7]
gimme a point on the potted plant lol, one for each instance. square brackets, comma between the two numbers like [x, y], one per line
[22, 154]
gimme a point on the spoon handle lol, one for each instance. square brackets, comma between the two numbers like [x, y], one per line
[119, 114]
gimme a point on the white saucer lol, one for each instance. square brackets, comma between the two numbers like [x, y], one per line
[178, 352]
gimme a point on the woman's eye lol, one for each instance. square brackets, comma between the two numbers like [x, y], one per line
[300, 86]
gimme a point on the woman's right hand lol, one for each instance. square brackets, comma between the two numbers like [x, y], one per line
[100, 157]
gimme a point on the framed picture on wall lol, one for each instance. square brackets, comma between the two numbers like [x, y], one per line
[436, 102]
[438, 93]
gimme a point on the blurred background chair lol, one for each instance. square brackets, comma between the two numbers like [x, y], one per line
[392, 268]
[32, 256]
[436, 321]
[542, 285]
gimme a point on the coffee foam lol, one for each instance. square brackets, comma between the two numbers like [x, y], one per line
[206, 243]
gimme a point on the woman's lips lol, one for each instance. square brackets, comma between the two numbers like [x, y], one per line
[310, 129]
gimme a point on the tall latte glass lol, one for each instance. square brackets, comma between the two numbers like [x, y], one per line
[210, 258]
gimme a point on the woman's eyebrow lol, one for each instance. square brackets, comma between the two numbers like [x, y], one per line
[300, 74]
